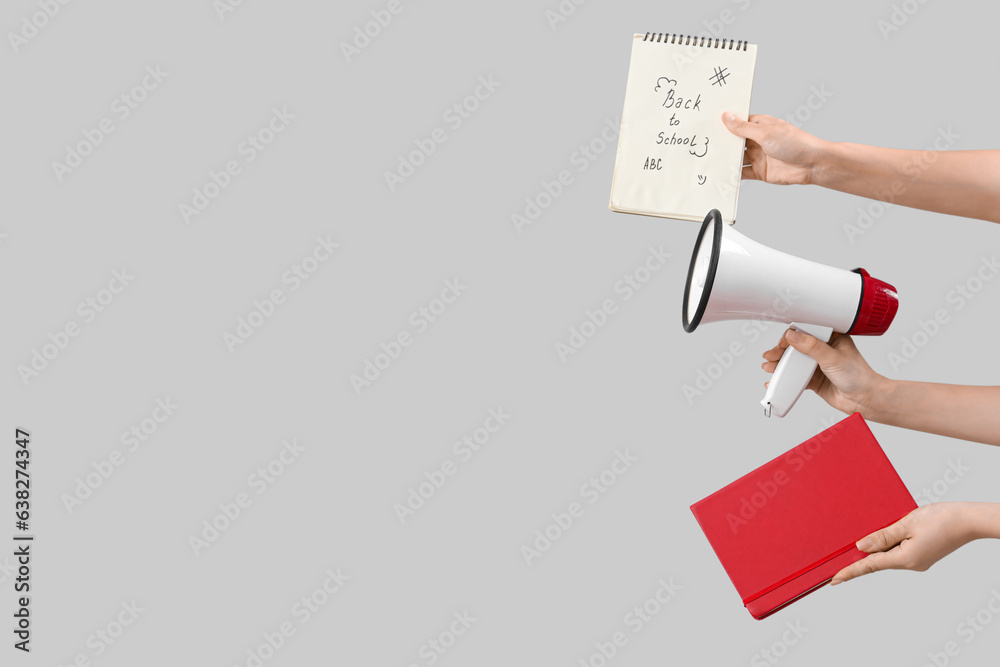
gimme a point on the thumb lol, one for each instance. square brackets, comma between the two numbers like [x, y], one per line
[882, 553]
[740, 127]
[814, 347]
[876, 562]
[884, 539]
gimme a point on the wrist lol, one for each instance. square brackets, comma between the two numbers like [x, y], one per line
[879, 404]
[826, 158]
[982, 520]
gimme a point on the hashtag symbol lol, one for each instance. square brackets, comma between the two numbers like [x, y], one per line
[22, 525]
[719, 76]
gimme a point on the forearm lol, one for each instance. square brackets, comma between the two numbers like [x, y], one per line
[964, 183]
[957, 411]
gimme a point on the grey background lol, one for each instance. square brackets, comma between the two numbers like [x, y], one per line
[333, 508]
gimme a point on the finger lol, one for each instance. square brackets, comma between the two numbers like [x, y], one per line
[769, 366]
[760, 118]
[886, 538]
[816, 382]
[843, 342]
[812, 346]
[751, 155]
[742, 128]
[782, 345]
[877, 562]
[773, 354]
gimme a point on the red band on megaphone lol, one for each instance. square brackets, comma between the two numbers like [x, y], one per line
[879, 303]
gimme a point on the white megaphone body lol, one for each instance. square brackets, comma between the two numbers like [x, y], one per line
[734, 278]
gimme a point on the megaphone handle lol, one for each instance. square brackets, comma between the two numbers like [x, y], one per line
[792, 375]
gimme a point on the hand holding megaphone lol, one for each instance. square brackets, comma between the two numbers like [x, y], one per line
[732, 277]
[843, 378]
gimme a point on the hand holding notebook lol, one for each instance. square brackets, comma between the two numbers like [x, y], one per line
[785, 529]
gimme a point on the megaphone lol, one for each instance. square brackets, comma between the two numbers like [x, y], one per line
[734, 278]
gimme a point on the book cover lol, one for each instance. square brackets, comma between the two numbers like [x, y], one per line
[783, 530]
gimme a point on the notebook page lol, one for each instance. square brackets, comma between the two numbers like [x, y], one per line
[675, 157]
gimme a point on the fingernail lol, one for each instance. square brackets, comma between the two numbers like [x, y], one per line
[864, 544]
[834, 582]
[793, 336]
[730, 116]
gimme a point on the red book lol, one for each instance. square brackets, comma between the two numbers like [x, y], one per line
[783, 530]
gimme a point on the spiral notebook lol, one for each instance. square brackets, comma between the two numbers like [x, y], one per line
[675, 157]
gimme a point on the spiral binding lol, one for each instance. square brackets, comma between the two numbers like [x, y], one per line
[688, 40]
